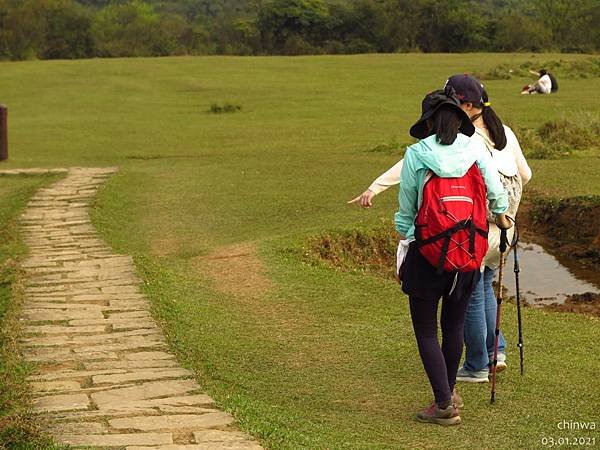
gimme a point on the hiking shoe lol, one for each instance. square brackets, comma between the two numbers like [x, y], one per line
[481, 376]
[434, 414]
[456, 399]
[500, 365]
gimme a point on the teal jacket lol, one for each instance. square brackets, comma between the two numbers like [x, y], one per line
[445, 161]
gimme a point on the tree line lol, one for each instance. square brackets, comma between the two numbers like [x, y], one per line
[51, 29]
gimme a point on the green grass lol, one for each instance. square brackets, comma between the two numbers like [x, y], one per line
[18, 429]
[324, 359]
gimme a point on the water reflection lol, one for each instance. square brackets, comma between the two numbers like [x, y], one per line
[543, 279]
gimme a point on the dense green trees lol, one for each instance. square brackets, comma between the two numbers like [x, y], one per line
[50, 29]
[46, 29]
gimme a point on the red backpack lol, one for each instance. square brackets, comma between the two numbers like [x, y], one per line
[451, 227]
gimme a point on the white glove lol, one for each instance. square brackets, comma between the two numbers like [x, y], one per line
[401, 254]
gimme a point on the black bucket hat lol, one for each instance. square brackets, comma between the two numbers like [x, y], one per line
[431, 103]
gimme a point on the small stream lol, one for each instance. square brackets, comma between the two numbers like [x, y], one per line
[544, 279]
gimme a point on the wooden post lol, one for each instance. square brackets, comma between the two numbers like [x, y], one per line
[3, 133]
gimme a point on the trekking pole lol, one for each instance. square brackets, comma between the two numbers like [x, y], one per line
[503, 243]
[517, 269]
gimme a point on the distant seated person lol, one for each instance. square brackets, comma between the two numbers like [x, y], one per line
[546, 84]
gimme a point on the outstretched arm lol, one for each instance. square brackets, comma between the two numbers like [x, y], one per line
[383, 182]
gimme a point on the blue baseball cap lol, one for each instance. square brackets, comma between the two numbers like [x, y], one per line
[467, 88]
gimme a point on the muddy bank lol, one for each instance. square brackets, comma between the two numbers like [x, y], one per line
[588, 303]
[568, 228]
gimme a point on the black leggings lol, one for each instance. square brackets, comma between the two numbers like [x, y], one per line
[440, 363]
[425, 287]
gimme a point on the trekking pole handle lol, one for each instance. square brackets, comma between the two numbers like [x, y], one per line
[503, 240]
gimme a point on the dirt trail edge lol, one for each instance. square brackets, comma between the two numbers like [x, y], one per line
[105, 377]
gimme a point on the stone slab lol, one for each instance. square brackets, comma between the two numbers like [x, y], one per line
[126, 324]
[36, 315]
[177, 421]
[205, 436]
[170, 409]
[69, 374]
[68, 402]
[144, 391]
[128, 305]
[248, 445]
[118, 336]
[129, 315]
[78, 428]
[120, 289]
[101, 414]
[47, 354]
[59, 329]
[186, 400]
[49, 386]
[118, 324]
[129, 344]
[156, 374]
[147, 355]
[35, 305]
[123, 340]
[144, 364]
[114, 440]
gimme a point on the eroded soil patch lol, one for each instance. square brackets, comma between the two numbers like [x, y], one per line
[237, 270]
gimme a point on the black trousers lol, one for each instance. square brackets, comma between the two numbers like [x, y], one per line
[425, 287]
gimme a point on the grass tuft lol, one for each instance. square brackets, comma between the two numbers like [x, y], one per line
[365, 250]
[560, 138]
[216, 108]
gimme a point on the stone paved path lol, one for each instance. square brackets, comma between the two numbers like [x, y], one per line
[105, 377]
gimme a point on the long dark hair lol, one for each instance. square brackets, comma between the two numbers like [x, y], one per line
[492, 122]
[445, 124]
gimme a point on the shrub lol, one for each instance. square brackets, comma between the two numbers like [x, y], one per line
[559, 138]
[371, 250]
[216, 108]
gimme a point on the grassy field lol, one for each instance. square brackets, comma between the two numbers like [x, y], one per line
[215, 209]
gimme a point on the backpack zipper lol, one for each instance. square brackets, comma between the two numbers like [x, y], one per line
[456, 198]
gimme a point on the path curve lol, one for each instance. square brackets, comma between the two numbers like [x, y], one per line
[105, 377]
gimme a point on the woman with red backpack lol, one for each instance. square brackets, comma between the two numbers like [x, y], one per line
[445, 180]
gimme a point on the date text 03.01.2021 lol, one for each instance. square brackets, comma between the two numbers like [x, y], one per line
[583, 441]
